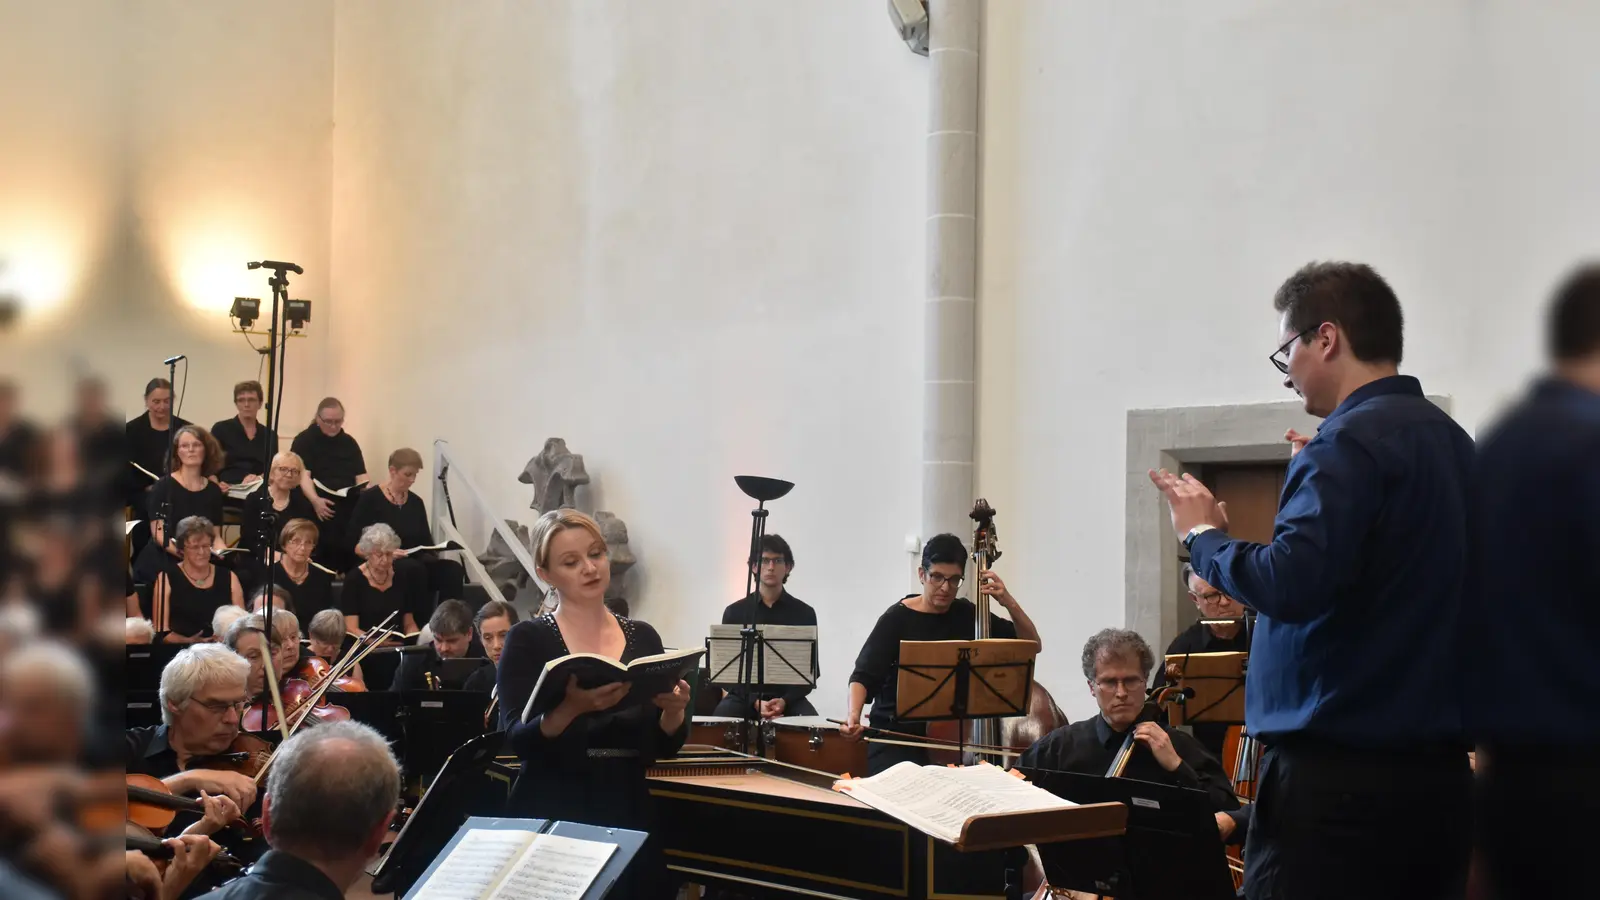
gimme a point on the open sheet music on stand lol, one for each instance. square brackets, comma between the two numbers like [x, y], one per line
[786, 655]
[528, 859]
[981, 806]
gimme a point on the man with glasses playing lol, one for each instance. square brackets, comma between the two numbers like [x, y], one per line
[1355, 663]
[773, 606]
[203, 695]
[936, 614]
[1212, 634]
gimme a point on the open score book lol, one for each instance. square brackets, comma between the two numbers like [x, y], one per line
[940, 801]
[492, 864]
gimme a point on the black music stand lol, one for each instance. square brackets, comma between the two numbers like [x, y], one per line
[1212, 686]
[436, 817]
[760, 489]
[453, 673]
[436, 723]
[144, 662]
[964, 680]
[1171, 849]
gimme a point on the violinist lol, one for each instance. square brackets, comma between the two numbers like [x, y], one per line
[289, 653]
[245, 638]
[325, 640]
[331, 794]
[138, 630]
[936, 614]
[202, 695]
[451, 631]
[1117, 664]
[1213, 638]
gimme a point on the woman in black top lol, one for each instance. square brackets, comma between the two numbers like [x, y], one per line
[188, 592]
[377, 587]
[582, 761]
[309, 585]
[396, 505]
[246, 443]
[270, 507]
[185, 492]
[147, 435]
[332, 457]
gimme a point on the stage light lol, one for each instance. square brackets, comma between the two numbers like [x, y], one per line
[246, 310]
[297, 313]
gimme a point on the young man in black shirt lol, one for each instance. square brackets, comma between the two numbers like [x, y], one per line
[1203, 638]
[773, 605]
[936, 614]
[451, 628]
[331, 794]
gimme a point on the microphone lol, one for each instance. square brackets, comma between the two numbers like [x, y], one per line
[280, 266]
[172, 359]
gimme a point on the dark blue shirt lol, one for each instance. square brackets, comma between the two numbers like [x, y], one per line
[1536, 588]
[1358, 641]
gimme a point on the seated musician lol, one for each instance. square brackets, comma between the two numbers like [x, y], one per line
[451, 632]
[146, 438]
[223, 619]
[936, 614]
[269, 510]
[183, 492]
[308, 583]
[331, 794]
[244, 638]
[325, 637]
[1203, 638]
[138, 630]
[186, 595]
[1117, 664]
[493, 622]
[578, 761]
[377, 587]
[246, 442]
[395, 504]
[203, 695]
[332, 457]
[775, 606]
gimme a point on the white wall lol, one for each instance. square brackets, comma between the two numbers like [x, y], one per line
[685, 237]
[1153, 172]
[150, 150]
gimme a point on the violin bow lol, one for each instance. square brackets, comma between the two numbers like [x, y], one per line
[272, 683]
[924, 742]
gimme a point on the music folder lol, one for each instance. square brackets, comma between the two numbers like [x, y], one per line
[624, 846]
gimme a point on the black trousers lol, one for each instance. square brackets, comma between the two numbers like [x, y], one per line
[1538, 820]
[1333, 822]
[734, 706]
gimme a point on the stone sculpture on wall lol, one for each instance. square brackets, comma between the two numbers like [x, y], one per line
[555, 475]
[615, 531]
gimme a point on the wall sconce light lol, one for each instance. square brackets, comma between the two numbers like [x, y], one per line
[246, 310]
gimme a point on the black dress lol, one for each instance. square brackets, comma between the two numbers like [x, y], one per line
[205, 502]
[243, 456]
[310, 597]
[190, 608]
[878, 663]
[257, 504]
[446, 577]
[336, 462]
[147, 446]
[594, 771]
[370, 606]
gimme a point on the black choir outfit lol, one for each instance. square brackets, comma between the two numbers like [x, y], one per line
[147, 446]
[786, 610]
[594, 771]
[257, 532]
[184, 503]
[1199, 638]
[877, 667]
[310, 596]
[336, 462]
[244, 455]
[407, 593]
[446, 577]
[190, 608]
[1089, 746]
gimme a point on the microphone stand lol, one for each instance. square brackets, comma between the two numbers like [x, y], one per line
[164, 513]
[276, 369]
[266, 528]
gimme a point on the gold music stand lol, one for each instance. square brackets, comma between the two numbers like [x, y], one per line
[942, 680]
[1217, 680]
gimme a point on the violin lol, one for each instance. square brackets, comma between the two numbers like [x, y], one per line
[314, 668]
[296, 694]
[152, 806]
[247, 755]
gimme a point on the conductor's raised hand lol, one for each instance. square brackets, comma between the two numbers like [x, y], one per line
[1191, 502]
[586, 700]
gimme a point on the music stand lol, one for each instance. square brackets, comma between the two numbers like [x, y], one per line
[436, 817]
[144, 662]
[943, 680]
[785, 656]
[436, 723]
[453, 673]
[627, 843]
[1171, 849]
[760, 489]
[1217, 682]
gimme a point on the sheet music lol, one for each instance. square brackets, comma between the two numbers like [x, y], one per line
[475, 865]
[793, 643]
[939, 801]
[555, 868]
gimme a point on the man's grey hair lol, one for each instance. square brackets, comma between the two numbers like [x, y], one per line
[329, 789]
[138, 630]
[196, 667]
[224, 617]
[452, 618]
[379, 538]
[193, 525]
[1117, 643]
[59, 665]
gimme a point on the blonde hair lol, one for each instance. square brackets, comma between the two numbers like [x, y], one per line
[327, 626]
[224, 617]
[553, 523]
[285, 458]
